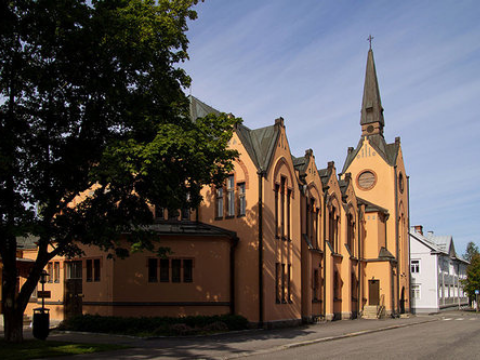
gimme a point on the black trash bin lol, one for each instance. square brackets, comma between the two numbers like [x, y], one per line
[41, 323]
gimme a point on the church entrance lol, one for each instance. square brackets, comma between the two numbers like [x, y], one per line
[373, 292]
[73, 289]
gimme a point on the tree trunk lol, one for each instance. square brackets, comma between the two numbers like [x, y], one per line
[13, 320]
[12, 313]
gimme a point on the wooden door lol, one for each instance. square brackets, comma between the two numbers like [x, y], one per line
[373, 292]
[73, 289]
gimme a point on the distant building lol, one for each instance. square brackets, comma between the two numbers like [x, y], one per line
[436, 272]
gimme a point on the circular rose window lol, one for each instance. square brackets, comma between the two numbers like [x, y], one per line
[366, 180]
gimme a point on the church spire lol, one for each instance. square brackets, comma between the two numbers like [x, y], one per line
[371, 118]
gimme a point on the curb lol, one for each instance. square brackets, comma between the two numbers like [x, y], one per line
[326, 339]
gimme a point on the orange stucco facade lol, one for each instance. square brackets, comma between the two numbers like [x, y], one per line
[281, 242]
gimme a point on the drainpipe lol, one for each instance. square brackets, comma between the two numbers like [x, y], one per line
[408, 244]
[359, 247]
[233, 247]
[397, 250]
[325, 251]
[261, 175]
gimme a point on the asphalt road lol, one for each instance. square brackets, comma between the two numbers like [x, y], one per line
[452, 337]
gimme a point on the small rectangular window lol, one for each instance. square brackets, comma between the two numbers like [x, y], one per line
[415, 266]
[152, 270]
[187, 270]
[74, 270]
[164, 270]
[176, 270]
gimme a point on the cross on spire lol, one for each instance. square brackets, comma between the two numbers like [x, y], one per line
[370, 38]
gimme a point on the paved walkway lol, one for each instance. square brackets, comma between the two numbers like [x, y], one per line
[241, 344]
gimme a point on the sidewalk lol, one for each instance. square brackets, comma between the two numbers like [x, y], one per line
[236, 345]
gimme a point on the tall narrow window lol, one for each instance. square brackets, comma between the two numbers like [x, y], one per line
[164, 270]
[315, 285]
[56, 272]
[152, 270]
[219, 202]
[176, 270]
[277, 188]
[315, 230]
[289, 281]
[96, 270]
[331, 230]
[277, 283]
[336, 286]
[282, 208]
[230, 195]
[242, 202]
[289, 195]
[187, 270]
[351, 234]
[283, 284]
[50, 272]
[89, 270]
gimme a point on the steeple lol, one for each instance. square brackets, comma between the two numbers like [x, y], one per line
[371, 118]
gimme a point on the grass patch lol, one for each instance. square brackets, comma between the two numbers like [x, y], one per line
[36, 349]
[155, 326]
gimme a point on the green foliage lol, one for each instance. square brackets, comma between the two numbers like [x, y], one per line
[472, 249]
[149, 326]
[92, 102]
[472, 282]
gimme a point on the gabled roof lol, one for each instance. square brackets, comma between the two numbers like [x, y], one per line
[199, 109]
[438, 244]
[388, 152]
[259, 143]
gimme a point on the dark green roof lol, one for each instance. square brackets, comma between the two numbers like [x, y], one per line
[259, 143]
[372, 110]
[199, 109]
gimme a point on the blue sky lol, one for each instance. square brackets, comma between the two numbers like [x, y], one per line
[305, 61]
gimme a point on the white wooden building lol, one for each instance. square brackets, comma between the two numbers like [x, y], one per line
[435, 272]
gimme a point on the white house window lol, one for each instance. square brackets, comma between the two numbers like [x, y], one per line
[415, 266]
[416, 291]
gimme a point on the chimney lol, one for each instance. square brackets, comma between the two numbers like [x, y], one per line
[419, 229]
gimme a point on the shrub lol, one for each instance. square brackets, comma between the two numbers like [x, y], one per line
[148, 326]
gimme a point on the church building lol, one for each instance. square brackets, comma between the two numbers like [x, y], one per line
[283, 241]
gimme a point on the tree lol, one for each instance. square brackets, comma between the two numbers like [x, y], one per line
[91, 102]
[472, 282]
[471, 250]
